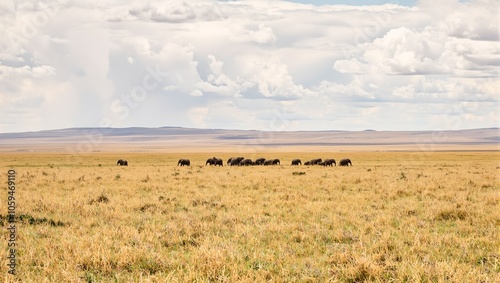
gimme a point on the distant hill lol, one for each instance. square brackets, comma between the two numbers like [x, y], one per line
[177, 138]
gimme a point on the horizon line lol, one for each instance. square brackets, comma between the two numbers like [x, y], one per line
[249, 130]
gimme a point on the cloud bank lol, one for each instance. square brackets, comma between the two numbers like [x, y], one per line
[266, 65]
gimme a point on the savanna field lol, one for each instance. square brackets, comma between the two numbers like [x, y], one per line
[391, 217]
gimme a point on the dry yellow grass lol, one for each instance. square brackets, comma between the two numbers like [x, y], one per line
[392, 217]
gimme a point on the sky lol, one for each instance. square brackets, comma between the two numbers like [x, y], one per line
[253, 65]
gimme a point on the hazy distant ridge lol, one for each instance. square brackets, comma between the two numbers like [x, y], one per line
[171, 137]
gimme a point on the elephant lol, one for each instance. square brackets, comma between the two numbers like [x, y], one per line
[184, 162]
[321, 163]
[122, 162]
[307, 163]
[345, 162]
[260, 161]
[272, 162]
[214, 161]
[296, 162]
[268, 162]
[329, 162]
[246, 162]
[316, 161]
[235, 161]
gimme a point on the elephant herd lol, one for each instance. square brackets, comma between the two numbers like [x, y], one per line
[241, 161]
[326, 162]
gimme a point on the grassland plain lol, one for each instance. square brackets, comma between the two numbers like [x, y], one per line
[392, 217]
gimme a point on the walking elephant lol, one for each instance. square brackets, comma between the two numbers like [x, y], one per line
[316, 161]
[210, 161]
[345, 162]
[214, 161]
[246, 162]
[272, 162]
[235, 161]
[122, 162]
[260, 161]
[296, 162]
[184, 162]
[329, 162]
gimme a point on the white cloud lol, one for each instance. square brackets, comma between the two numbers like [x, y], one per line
[257, 62]
[196, 92]
[26, 71]
[198, 116]
[260, 34]
[351, 66]
[400, 51]
[474, 20]
[218, 82]
[272, 77]
[176, 11]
